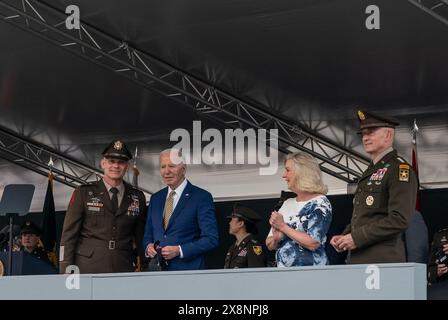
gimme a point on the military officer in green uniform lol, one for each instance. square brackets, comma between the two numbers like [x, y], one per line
[105, 220]
[384, 200]
[29, 239]
[246, 252]
[438, 264]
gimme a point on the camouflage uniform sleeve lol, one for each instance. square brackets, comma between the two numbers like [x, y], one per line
[255, 256]
[400, 206]
[70, 231]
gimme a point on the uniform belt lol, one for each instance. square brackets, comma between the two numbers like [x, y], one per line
[109, 244]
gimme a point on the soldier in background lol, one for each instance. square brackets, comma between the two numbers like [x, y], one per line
[29, 239]
[246, 252]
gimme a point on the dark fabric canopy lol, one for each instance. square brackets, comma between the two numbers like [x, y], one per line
[305, 59]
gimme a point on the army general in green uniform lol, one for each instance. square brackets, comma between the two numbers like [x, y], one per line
[246, 252]
[104, 220]
[384, 200]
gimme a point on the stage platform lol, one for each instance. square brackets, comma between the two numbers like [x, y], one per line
[383, 281]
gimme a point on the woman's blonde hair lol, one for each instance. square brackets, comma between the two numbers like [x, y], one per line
[308, 177]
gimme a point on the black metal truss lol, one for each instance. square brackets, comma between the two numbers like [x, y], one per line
[36, 157]
[436, 8]
[42, 159]
[204, 98]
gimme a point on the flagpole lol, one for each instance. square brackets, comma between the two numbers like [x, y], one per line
[138, 266]
[135, 170]
[48, 239]
[50, 174]
[414, 132]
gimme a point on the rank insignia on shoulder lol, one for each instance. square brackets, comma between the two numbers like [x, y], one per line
[403, 173]
[257, 250]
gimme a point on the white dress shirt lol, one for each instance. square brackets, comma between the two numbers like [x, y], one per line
[176, 199]
[120, 193]
[178, 191]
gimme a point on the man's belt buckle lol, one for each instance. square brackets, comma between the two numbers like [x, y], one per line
[111, 245]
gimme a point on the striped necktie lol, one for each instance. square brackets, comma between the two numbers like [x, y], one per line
[168, 211]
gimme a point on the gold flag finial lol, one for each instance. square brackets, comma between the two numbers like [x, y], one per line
[361, 115]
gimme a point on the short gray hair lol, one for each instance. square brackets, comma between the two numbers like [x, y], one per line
[176, 155]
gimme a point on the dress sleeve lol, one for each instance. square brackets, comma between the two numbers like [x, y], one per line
[316, 221]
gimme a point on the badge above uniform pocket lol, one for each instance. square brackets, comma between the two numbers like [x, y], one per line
[134, 207]
[95, 206]
[242, 253]
[377, 177]
[95, 210]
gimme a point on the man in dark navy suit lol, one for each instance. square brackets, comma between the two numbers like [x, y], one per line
[181, 218]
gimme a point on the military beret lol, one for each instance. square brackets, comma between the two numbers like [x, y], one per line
[370, 120]
[117, 150]
[244, 213]
[30, 227]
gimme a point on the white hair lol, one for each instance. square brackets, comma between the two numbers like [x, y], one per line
[176, 155]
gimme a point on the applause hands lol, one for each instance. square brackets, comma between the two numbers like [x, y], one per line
[277, 223]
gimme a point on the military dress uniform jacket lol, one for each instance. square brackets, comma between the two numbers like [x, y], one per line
[95, 238]
[38, 253]
[248, 254]
[382, 208]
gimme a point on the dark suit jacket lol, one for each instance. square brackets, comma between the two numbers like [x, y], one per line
[192, 226]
